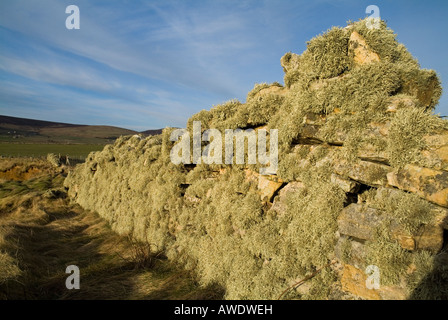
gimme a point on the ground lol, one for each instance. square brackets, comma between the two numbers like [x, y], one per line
[42, 232]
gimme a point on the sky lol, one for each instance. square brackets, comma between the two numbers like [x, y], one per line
[150, 64]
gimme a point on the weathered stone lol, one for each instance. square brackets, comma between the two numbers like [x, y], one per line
[354, 281]
[428, 237]
[400, 102]
[370, 153]
[363, 54]
[379, 129]
[370, 173]
[267, 187]
[273, 90]
[429, 184]
[314, 118]
[393, 293]
[267, 184]
[440, 214]
[422, 87]
[350, 251]
[441, 217]
[360, 221]
[309, 134]
[290, 62]
[279, 204]
[345, 184]
[312, 124]
[436, 151]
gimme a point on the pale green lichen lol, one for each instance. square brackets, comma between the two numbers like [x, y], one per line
[211, 219]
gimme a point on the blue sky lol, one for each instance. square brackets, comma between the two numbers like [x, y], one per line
[151, 64]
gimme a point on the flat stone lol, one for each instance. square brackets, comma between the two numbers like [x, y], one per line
[346, 185]
[279, 204]
[361, 222]
[366, 172]
[428, 237]
[267, 187]
[363, 54]
[430, 184]
[267, 184]
[276, 90]
[436, 151]
[354, 281]
[354, 248]
[399, 102]
[423, 88]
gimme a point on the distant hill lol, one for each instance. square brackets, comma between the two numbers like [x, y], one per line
[152, 132]
[20, 130]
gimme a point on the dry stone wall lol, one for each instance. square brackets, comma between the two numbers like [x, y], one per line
[362, 181]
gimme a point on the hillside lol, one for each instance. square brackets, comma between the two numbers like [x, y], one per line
[19, 130]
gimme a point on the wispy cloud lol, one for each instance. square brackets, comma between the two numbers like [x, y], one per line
[149, 64]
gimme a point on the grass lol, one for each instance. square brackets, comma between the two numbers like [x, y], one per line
[41, 150]
[41, 233]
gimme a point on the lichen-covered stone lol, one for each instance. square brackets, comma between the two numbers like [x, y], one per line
[370, 173]
[428, 183]
[363, 54]
[362, 222]
[354, 281]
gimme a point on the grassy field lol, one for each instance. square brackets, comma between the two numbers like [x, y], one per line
[76, 151]
[41, 233]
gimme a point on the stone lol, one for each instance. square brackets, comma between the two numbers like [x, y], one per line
[279, 204]
[350, 251]
[441, 217]
[363, 54]
[436, 150]
[346, 185]
[400, 102]
[267, 184]
[361, 222]
[428, 237]
[422, 86]
[290, 62]
[366, 172]
[430, 184]
[353, 280]
[268, 187]
[370, 153]
[273, 90]
[314, 118]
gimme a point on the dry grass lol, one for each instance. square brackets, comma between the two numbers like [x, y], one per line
[41, 233]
